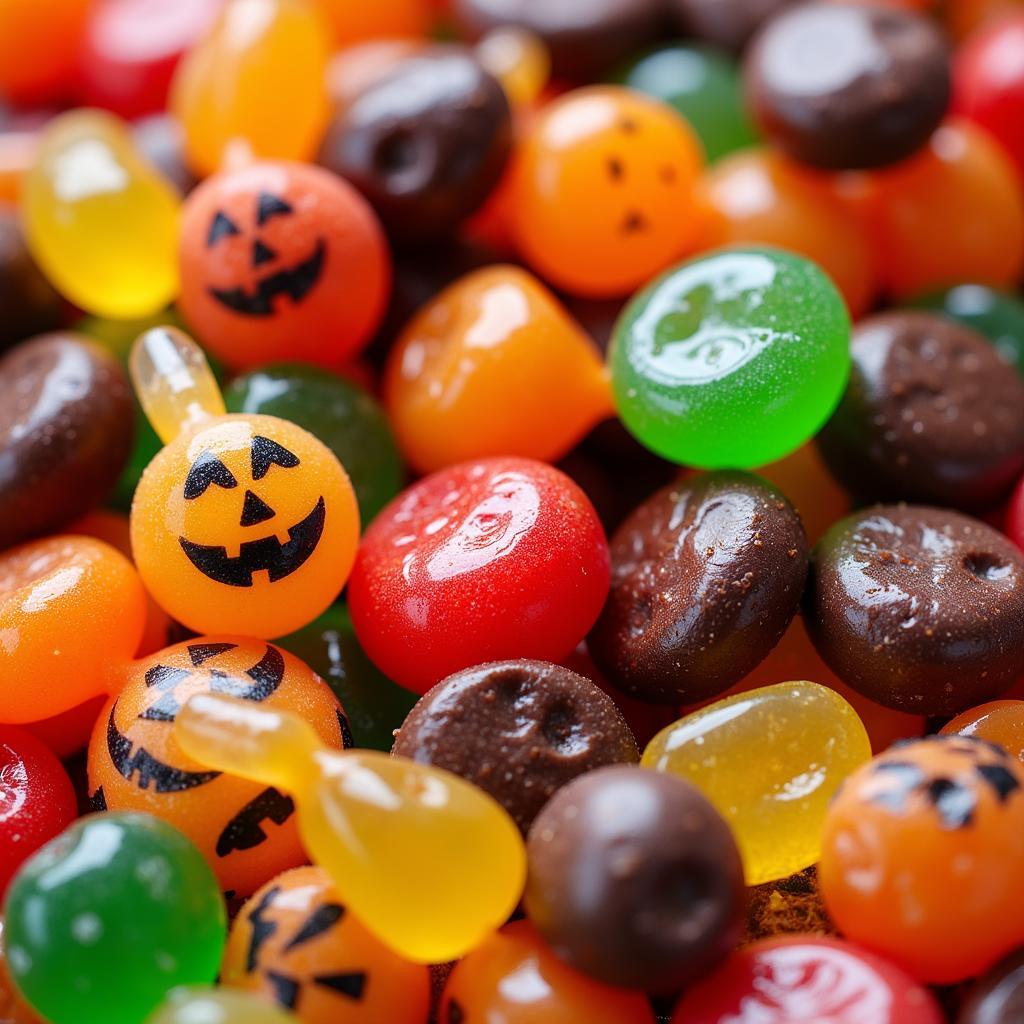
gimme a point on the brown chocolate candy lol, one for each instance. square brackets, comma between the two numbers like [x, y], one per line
[635, 879]
[28, 302]
[66, 426]
[518, 729]
[932, 414]
[727, 24]
[998, 998]
[706, 576]
[848, 85]
[917, 608]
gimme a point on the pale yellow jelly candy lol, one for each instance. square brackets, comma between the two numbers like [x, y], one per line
[769, 760]
[100, 221]
[217, 1006]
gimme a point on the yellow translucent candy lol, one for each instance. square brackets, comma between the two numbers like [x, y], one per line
[769, 760]
[518, 59]
[424, 859]
[256, 86]
[100, 221]
[217, 1006]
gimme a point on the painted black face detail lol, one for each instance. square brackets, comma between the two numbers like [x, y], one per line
[244, 831]
[351, 985]
[207, 470]
[262, 928]
[319, 921]
[221, 227]
[294, 282]
[254, 510]
[286, 990]
[266, 453]
[98, 801]
[268, 205]
[456, 1014]
[347, 740]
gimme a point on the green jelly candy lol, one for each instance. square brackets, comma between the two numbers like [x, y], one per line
[108, 917]
[340, 414]
[732, 360]
[701, 84]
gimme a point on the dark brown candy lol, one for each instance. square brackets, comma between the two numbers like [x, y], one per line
[706, 576]
[518, 729]
[932, 413]
[848, 85]
[727, 24]
[66, 425]
[28, 302]
[635, 879]
[998, 998]
[425, 143]
[920, 609]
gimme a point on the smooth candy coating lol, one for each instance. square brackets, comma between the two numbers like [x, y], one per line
[706, 576]
[66, 425]
[520, 730]
[384, 19]
[13, 1008]
[295, 943]
[727, 24]
[918, 608]
[425, 142]
[39, 55]
[754, 338]
[998, 998]
[908, 842]
[848, 85]
[769, 760]
[216, 1006]
[931, 414]
[109, 916]
[663, 896]
[999, 721]
[497, 558]
[28, 302]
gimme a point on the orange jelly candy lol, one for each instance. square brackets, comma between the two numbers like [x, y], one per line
[999, 721]
[352, 22]
[493, 366]
[603, 190]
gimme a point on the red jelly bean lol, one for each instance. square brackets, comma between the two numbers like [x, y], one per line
[493, 558]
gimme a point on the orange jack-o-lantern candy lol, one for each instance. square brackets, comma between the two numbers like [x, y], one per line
[242, 523]
[246, 831]
[282, 261]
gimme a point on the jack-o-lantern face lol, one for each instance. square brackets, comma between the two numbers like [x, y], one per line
[245, 830]
[246, 525]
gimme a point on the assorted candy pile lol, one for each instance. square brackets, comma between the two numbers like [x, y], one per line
[512, 512]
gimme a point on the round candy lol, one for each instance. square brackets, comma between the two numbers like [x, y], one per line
[757, 339]
[36, 799]
[296, 944]
[247, 524]
[66, 424]
[425, 142]
[998, 998]
[282, 261]
[28, 303]
[932, 413]
[923, 854]
[108, 917]
[706, 576]
[602, 196]
[769, 760]
[920, 609]
[848, 85]
[999, 721]
[635, 836]
[497, 558]
[807, 979]
[727, 24]
[39, 54]
[217, 1006]
[518, 729]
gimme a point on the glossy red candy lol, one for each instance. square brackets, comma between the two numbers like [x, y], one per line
[36, 799]
[1015, 515]
[807, 979]
[493, 558]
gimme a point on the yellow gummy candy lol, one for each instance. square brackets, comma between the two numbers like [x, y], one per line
[217, 1006]
[100, 221]
[428, 862]
[769, 760]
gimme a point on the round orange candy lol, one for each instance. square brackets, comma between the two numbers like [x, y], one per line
[247, 524]
[296, 944]
[39, 48]
[999, 721]
[923, 857]
[603, 190]
[282, 261]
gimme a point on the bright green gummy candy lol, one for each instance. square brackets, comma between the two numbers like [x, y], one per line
[108, 917]
[731, 360]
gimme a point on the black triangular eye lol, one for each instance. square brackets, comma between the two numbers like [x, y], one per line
[268, 206]
[221, 227]
[206, 470]
[267, 453]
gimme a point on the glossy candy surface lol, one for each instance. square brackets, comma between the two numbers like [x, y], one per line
[216, 1006]
[999, 721]
[756, 338]
[769, 760]
[384, 19]
[39, 55]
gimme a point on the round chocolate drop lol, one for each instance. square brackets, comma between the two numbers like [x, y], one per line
[425, 143]
[66, 427]
[932, 413]
[635, 879]
[706, 577]
[727, 24]
[920, 609]
[29, 304]
[842, 85]
[520, 730]
[998, 998]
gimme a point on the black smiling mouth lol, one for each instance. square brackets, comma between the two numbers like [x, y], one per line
[295, 282]
[267, 554]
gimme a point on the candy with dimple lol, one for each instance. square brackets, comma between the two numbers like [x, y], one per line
[99, 220]
[999, 721]
[757, 339]
[216, 1006]
[360, 813]
[769, 760]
